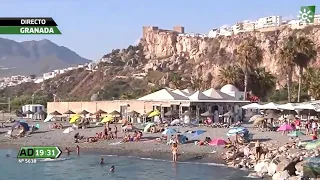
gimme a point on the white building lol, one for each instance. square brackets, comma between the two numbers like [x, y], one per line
[231, 90]
[226, 31]
[34, 108]
[236, 28]
[271, 21]
[48, 75]
[317, 19]
[248, 25]
[213, 33]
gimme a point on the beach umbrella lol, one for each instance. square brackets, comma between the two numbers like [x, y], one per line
[154, 113]
[56, 113]
[148, 126]
[174, 122]
[197, 133]
[251, 106]
[100, 111]
[217, 142]
[23, 124]
[133, 113]
[68, 130]
[169, 132]
[84, 112]
[114, 113]
[295, 133]
[313, 145]
[107, 119]
[69, 112]
[171, 113]
[28, 112]
[187, 113]
[254, 117]
[270, 105]
[237, 130]
[285, 127]
[288, 106]
[207, 113]
[228, 114]
[74, 119]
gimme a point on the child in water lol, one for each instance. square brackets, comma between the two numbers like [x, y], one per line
[174, 150]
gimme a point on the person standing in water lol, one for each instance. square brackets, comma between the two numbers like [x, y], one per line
[111, 169]
[174, 150]
[101, 161]
[78, 150]
[68, 151]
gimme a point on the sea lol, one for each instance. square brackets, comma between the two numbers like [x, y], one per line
[86, 166]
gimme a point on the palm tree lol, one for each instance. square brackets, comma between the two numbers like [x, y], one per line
[262, 82]
[249, 56]
[176, 80]
[304, 53]
[286, 55]
[228, 75]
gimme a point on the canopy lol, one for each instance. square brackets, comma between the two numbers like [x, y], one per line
[55, 113]
[169, 132]
[74, 118]
[154, 113]
[305, 107]
[69, 112]
[100, 111]
[251, 106]
[207, 113]
[23, 124]
[295, 133]
[148, 126]
[107, 119]
[288, 106]
[217, 142]
[84, 112]
[171, 113]
[270, 105]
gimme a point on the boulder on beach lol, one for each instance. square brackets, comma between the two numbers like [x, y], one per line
[282, 175]
[262, 167]
[288, 165]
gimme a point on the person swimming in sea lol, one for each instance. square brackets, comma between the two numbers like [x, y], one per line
[7, 155]
[111, 169]
[101, 161]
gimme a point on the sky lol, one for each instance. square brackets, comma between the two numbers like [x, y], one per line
[94, 29]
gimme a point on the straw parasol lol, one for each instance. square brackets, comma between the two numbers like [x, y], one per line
[133, 113]
[84, 112]
[100, 111]
[56, 113]
[207, 113]
[69, 112]
[171, 113]
[115, 113]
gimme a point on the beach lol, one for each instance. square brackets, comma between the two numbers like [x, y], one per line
[147, 148]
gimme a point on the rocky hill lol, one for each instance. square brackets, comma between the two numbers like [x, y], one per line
[164, 58]
[35, 57]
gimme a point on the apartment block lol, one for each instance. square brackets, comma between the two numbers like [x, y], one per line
[248, 25]
[270, 21]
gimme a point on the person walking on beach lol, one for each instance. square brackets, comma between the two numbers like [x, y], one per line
[174, 150]
[258, 149]
[78, 150]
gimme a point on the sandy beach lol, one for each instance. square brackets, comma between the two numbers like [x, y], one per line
[148, 148]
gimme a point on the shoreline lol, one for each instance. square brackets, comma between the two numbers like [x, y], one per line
[206, 158]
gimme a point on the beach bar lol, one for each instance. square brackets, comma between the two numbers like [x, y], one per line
[227, 99]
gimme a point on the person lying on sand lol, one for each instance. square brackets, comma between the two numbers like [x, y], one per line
[2, 125]
[91, 139]
[57, 126]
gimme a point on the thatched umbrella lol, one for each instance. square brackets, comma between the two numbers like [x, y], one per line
[171, 113]
[115, 113]
[133, 113]
[69, 112]
[84, 112]
[254, 117]
[228, 114]
[100, 111]
[207, 113]
[56, 113]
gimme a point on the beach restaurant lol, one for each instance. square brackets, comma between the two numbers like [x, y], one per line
[227, 99]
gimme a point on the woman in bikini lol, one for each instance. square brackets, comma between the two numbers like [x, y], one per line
[174, 150]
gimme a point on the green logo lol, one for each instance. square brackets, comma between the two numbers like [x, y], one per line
[306, 14]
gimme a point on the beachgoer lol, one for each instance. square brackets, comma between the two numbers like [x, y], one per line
[111, 169]
[115, 132]
[307, 126]
[314, 127]
[174, 150]
[78, 150]
[68, 151]
[101, 161]
[297, 124]
[105, 133]
[258, 149]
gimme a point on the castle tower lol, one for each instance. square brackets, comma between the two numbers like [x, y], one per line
[178, 29]
[145, 29]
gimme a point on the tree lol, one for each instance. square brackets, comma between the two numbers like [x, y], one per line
[304, 53]
[229, 75]
[285, 58]
[249, 56]
[311, 81]
[176, 80]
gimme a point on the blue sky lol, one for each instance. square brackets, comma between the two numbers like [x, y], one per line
[94, 29]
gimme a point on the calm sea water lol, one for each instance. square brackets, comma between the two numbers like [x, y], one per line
[87, 167]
